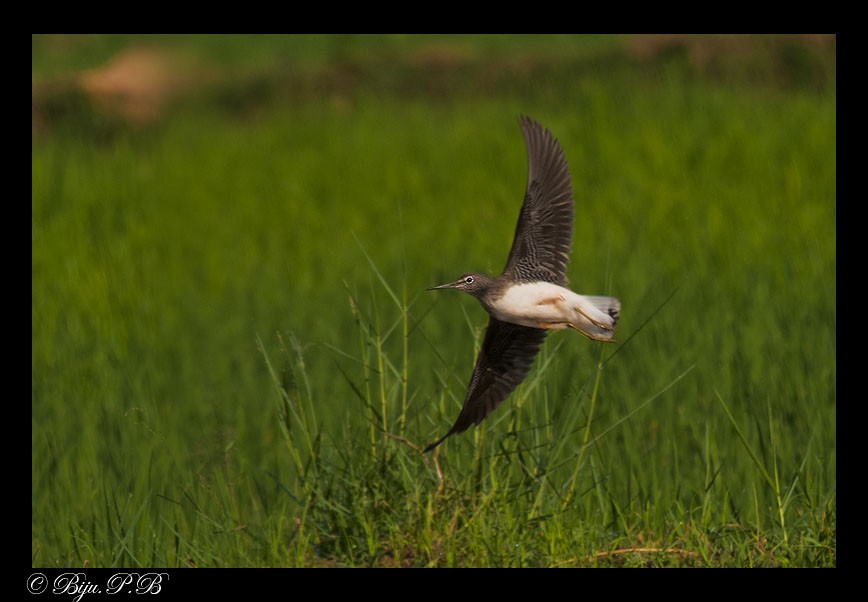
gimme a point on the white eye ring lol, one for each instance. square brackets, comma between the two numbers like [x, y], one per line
[468, 280]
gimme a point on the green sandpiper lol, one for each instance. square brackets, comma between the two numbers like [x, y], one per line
[530, 297]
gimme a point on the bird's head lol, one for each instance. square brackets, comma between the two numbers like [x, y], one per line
[471, 283]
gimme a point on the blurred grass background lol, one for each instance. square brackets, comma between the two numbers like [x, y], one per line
[193, 195]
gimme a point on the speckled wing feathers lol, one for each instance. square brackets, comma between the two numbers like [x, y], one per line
[543, 235]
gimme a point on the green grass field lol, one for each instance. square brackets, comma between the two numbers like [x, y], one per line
[235, 363]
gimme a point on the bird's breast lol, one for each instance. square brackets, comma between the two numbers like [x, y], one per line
[536, 304]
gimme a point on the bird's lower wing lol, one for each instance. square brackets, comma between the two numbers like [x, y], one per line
[505, 358]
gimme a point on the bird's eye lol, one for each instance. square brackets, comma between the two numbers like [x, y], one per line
[468, 280]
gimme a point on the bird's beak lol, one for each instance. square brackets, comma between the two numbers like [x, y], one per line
[442, 286]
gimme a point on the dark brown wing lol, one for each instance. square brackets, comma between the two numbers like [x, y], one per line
[504, 360]
[541, 247]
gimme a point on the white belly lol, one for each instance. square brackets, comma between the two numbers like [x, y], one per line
[536, 304]
[547, 305]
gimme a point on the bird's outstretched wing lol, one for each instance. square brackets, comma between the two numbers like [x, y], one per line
[504, 360]
[541, 247]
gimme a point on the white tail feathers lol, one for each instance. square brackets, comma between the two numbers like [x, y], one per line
[597, 317]
[608, 305]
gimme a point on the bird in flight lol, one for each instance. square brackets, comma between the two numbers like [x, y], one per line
[530, 297]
